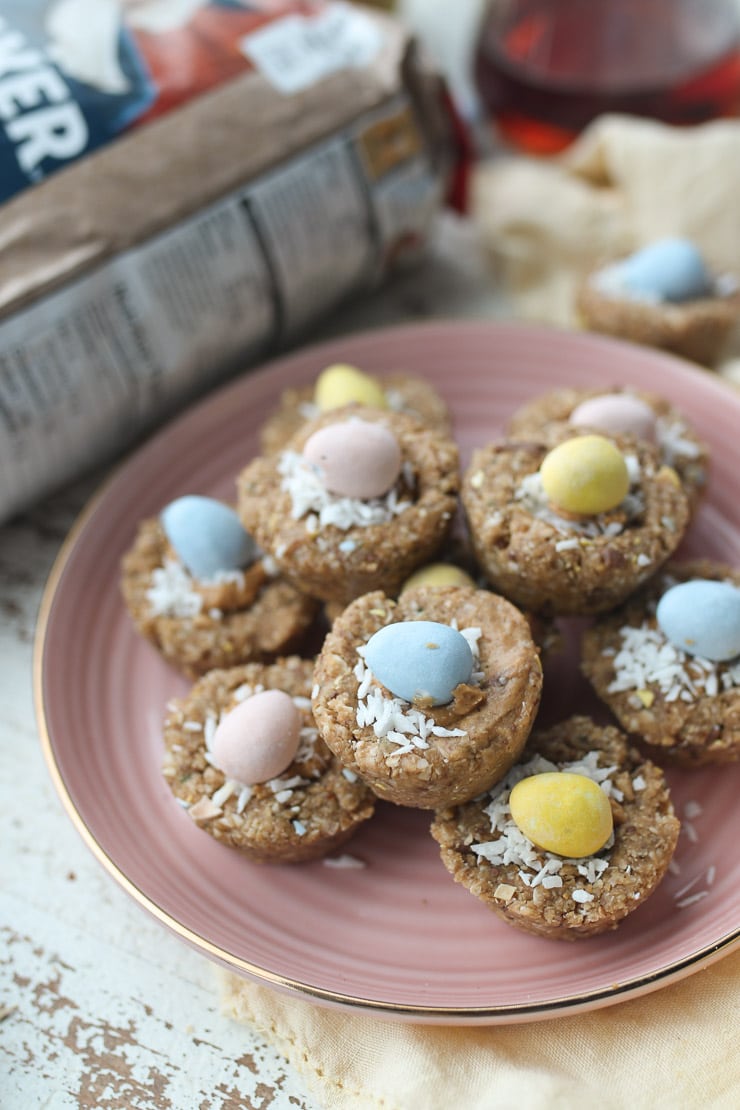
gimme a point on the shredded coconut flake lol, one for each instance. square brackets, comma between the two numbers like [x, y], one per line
[646, 658]
[673, 441]
[270, 567]
[691, 899]
[344, 863]
[244, 795]
[687, 887]
[279, 785]
[171, 592]
[224, 792]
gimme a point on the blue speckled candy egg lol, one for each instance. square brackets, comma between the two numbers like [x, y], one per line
[667, 270]
[420, 660]
[702, 617]
[207, 536]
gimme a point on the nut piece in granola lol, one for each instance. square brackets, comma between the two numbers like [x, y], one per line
[416, 753]
[685, 706]
[303, 812]
[559, 896]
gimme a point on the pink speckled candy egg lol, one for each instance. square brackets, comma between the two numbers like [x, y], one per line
[258, 739]
[355, 458]
[616, 414]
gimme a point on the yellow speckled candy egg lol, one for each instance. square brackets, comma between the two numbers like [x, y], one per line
[342, 385]
[438, 574]
[586, 475]
[562, 812]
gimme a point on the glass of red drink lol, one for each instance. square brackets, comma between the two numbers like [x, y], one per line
[545, 68]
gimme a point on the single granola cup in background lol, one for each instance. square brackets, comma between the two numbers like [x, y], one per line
[684, 706]
[427, 749]
[660, 422]
[304, 812]
[663, 296]
[559, 896]
[329, 532]
[560, 562]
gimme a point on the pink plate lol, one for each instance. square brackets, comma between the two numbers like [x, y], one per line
[399, 937]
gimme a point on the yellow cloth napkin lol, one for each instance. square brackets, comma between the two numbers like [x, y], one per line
[625, 182]
[676, 1048]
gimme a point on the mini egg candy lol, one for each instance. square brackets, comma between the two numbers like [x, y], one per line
[355, 458]
[259, 738]
[562, 812]
[585, 475]
[420, 660]
[438, 574]
[207, 536]
[616, 414]
[342, 385]
[669, 270]
[702, 617]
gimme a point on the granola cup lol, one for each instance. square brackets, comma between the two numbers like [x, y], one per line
[311, 809]
[697, 330]
[380, 542]
[686, 711]
[447, 753]
[555, 897]
[256, 616]
[557, 565]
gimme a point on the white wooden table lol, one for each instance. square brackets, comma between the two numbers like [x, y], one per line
[100, 1006]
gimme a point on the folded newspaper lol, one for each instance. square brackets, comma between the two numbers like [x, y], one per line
[184, 186]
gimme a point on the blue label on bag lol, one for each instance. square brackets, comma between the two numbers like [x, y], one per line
[48, 116]
[74, 74]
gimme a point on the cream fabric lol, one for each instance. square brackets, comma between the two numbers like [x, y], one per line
[624, 183]
[676, 1048]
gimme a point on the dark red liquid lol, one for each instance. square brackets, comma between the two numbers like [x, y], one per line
[545, 70]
